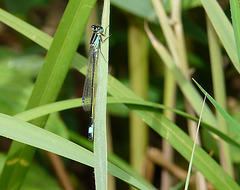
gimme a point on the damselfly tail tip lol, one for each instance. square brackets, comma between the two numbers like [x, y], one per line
[90, 132]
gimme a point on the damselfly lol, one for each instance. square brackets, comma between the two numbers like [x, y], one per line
[89, 84]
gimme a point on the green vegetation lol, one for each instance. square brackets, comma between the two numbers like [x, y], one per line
[154, 48]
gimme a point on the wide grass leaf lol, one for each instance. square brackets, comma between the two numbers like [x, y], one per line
[223, 28]
[148, 106]
[235, 12]
[34, 136]
[49, 80]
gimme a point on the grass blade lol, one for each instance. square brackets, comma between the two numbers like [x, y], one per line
[223, 28]
[235, 11]
[149, 106]
[100, 137]
[49, 80]
[26, 29]
[34, 136]
[187, 88]
[194, 145]
[232, 122]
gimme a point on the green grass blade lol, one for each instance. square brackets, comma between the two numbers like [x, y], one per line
[232, 122]
[187, 88]
[26, 29]
[183, 144]
[34, 136]
[49, 80]
[235, 11]
[176, 138]
[194, 146]
[149, 106]
[223, 28]
[100, 136]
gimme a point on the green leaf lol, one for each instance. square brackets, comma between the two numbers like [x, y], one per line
[187, 88]
[232, 122]
[34, 136]
[148, 106]
[235, 11]
[223, 28]
[100, 110]
[49, 80]
[183, 144]
[26, 29]
[113, 158]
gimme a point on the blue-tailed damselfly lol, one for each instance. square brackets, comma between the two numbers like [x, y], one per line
[90, 80]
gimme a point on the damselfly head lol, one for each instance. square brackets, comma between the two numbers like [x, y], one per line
[96, 28]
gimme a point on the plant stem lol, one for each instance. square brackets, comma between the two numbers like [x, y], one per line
[138, 74]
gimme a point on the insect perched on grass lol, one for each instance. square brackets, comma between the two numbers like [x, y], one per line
[90, 81]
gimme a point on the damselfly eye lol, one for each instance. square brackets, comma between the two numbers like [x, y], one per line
[100, 29]
[93, 27]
